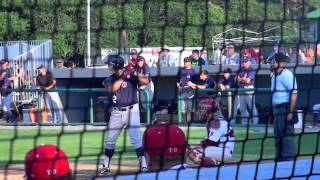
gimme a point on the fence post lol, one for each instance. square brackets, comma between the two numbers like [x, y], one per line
[91, 107]
[229, 104]
[147, 95]
[179, 109]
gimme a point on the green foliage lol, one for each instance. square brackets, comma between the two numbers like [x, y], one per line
[12, 26]
[147, 23]
[133, 15]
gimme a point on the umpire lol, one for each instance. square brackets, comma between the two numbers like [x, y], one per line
[123, 85]
[284, 98]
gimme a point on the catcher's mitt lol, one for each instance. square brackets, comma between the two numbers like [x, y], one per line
[196, 156]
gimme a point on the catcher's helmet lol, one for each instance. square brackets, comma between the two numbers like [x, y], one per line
[116, 61]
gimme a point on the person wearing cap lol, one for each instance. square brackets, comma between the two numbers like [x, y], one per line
[284, 98]
[184, 81]
[246, 79]
[232, 57]
[47, 162]
[197, 59]
[143, 68]
[166, 59]
[134, 54]
[218, 145]
[122, 86]
[229, 81]
[6, 79]
[46, 82]
[165, 146]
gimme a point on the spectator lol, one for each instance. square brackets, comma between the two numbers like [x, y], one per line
[204, 56]
[284, 98]
[196, 59]
[232, 57]
[184, 77]
[202, 82]
[46, 81]
[230, 81]
[318, 54]
[47, 162]
[166, 59]
[301, 57]
[155, 53]
[219, 55]
[60, 64]
[6, 79]
[310, 56]
[246, 79]
[275, 51]
[165, 146]
[315, 118]
[134, 55]
[247, 53]
[256, 53]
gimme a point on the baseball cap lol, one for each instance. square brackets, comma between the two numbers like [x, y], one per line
[165, 47]
[228, 70]
[280, 57]
[4, 61]
[187, 59]
[41, 67]
[115, 60]
[165, 139]
[245, 59]
[46, 162]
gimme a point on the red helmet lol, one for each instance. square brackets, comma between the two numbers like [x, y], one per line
[46, 162]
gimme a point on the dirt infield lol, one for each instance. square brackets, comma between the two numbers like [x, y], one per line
[80, 170]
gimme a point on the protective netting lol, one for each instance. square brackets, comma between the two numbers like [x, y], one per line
[248, 135]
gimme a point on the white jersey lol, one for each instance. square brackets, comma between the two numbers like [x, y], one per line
[222, 137]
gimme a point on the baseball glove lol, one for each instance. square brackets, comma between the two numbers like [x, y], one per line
[196, 156]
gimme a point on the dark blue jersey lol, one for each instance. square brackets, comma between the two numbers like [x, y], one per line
[145, 69]
[5, 83]
[127, 94]
[209, 83]
[249, 73]
[231, 82]
[185, 75]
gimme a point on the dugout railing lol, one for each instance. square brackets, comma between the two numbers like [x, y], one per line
[90, 91]
[213, 93]
[217, 94]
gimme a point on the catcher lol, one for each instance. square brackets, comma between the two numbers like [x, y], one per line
[218, 145]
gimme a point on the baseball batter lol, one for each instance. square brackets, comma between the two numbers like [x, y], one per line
[123, 84]
[218, 146]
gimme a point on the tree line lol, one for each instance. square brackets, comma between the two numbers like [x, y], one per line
[147, 22]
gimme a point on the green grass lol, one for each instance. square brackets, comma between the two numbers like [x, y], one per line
[88, 146]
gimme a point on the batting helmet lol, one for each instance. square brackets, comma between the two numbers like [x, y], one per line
[46, 162]
[116, 61]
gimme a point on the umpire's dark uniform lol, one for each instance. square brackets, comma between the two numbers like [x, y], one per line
[284, 89]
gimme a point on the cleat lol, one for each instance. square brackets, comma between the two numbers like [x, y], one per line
[144, 169]
[105, 171]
